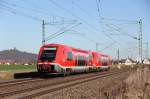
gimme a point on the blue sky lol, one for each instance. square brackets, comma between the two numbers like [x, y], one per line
[24, 33]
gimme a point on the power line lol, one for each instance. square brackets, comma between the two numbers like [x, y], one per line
[85, 22]
[56, 33]
[69, 22]
[98, 7]
[42, 10]
[140, 38]
[14, 11]
[24, 8]
[110, 45]
[63, 31]
[83, 10]
[98, 2]
[84, 36]
[120, 20]
[68, 11]
[121, 31]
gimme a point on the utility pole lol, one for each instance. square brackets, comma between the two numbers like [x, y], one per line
[97, 44]
[43, 32]
[96, 47]
[140, 41]
[139, 38]
[118, 55]
[54, 23]
[146, 49]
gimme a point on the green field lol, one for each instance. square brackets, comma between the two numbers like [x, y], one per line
[17, 67]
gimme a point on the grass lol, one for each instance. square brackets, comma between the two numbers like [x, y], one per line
[17, 67]
[136, 86]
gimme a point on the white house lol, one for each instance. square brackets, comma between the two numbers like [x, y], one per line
[7, 63]
[146, 61]
[129, 61]
[26, 64]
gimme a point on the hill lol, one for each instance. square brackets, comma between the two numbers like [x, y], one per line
[16, 56]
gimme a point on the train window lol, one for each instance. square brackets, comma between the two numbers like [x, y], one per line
[63, 52]
[90, 56]
[48, 54]
[69, 56]
[81, 61]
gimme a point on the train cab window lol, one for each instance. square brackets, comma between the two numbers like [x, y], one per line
[48, 54]
[69, 56]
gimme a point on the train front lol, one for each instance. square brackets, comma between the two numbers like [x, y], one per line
[47, 59]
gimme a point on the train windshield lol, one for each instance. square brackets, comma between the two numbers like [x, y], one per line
[48, 54]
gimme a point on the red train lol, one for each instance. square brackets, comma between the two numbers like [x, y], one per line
[56, 58]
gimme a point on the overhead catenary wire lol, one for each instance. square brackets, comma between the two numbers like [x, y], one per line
[120, 20]
[110, 45]
[121, 31]
[127, 34]
[85, 22]
[98, 2]
[95, 30]
[84, 36]
[14, 11]
[38, 10]
[43, 10]
[54, 34]
[25, 8]
[63, 31]
[100, 22]
[82, 9]
[98, 7]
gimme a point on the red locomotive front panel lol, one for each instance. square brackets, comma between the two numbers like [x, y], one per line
[47, 56]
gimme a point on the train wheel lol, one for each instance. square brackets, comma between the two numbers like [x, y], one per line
[39, 69]
[87, 71]
[67, 72]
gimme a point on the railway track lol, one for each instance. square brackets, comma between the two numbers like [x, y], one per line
[16, 82]
[48, 88]
[23, 81]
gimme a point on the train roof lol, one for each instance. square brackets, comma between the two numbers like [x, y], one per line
[75, 49]
[104, 55]
[52, 44]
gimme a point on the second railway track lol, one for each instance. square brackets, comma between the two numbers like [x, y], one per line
[16, 82]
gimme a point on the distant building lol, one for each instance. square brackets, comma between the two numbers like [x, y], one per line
[7, 63]
[127, 61]
[26, 64]
[146, 61]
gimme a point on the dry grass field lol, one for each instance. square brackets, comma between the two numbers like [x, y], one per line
[136, 86]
